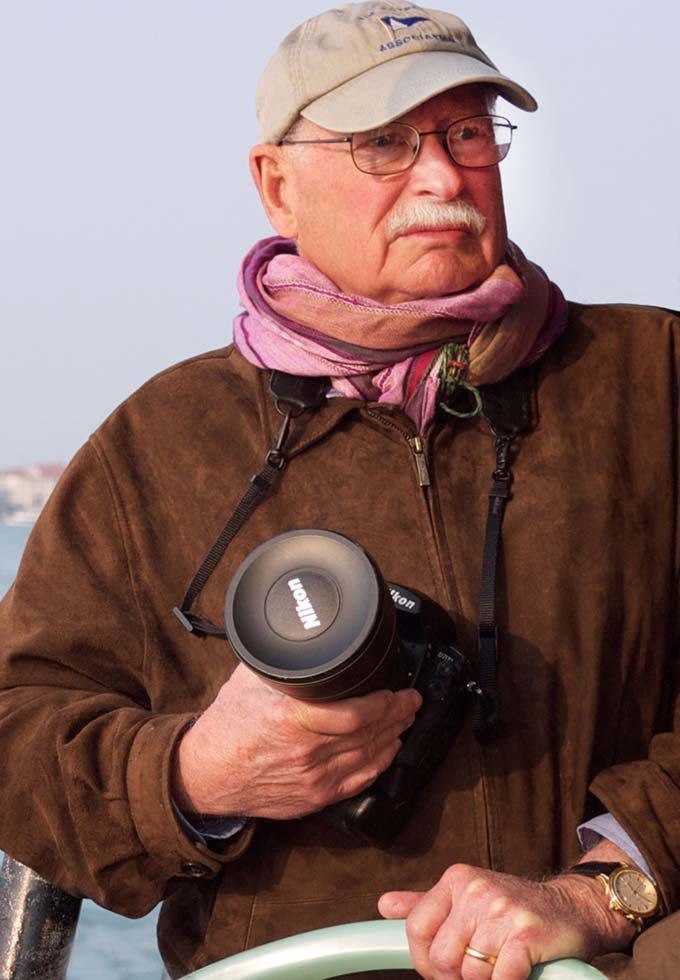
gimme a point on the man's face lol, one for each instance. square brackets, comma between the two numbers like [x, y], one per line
[343, 218]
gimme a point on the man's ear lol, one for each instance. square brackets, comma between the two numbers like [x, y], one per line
[270, 173]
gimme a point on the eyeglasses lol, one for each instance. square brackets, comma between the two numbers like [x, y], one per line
[476, 141]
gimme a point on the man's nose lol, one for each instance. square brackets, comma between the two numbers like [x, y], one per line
[434, 170]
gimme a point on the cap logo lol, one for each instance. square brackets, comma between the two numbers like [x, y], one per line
[407, 29]
[397, 24]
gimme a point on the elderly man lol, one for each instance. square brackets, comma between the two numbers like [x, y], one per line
[404, 377]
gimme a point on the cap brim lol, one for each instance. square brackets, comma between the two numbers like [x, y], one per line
[384, 93]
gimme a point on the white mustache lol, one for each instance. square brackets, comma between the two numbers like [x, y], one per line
[426, 215]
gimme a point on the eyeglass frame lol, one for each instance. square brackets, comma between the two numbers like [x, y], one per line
[430, 132]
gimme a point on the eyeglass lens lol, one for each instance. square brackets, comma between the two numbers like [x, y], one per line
[479, 141]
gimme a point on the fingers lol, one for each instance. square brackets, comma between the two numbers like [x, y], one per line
[356, 760]
[468, 909]
[435, 939]
[476, 924]
[397, 905]
[511, 960]
[382, 708]
[358, 748]
[359, 779]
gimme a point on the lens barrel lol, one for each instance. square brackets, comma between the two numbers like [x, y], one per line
[309, 611]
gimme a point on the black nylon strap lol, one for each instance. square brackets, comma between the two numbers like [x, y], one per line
[292, 396]
[486, 717]
[259, 486]
[509, 409]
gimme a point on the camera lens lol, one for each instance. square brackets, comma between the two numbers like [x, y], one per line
[310, 612]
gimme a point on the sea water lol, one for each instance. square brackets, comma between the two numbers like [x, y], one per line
[107, 946]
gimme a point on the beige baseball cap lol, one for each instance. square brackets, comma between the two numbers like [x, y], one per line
[362, 65]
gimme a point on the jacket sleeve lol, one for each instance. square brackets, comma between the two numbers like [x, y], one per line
[644, 795]
[86, 758]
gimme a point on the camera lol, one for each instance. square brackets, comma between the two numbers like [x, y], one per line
[310, 612]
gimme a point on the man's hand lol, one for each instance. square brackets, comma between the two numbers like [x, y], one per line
[259, 753]
[520, 923]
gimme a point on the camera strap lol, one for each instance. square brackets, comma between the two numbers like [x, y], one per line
[508, 409]
[292, 396]
[486, 719]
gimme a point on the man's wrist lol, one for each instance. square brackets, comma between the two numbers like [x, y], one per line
[612, 932]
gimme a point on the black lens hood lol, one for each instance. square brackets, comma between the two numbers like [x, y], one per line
[310, 612]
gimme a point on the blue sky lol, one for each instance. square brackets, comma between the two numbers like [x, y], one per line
[126, 203]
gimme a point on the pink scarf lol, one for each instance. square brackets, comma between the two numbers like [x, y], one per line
[296, 320]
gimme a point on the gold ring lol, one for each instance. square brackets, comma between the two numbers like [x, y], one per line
[487, 957]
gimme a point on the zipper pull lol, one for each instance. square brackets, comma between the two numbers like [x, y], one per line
[418, 449]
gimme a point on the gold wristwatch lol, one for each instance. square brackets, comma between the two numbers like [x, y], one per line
[629, 890]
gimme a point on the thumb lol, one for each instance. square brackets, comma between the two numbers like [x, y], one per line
[397, 905]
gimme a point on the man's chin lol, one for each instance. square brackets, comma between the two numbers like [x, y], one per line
[436, 276]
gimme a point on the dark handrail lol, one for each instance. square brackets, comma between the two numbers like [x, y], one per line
[37, 925]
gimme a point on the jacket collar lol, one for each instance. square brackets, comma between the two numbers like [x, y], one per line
[509, 407]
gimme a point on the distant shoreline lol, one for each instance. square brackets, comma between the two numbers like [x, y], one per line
[21, 520]
[24, 491]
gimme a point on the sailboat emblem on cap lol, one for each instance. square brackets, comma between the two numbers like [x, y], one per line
[397, 24]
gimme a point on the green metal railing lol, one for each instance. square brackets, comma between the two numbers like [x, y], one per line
[354, 948]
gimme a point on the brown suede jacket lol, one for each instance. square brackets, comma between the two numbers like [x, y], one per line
[99, 679]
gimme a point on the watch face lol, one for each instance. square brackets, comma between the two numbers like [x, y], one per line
[634, 891]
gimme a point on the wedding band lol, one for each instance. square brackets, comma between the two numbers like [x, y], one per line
[487, 957]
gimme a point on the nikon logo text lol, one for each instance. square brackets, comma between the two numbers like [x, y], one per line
[303, 607]
[400, 600]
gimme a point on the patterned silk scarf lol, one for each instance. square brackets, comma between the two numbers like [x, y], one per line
[296, 320]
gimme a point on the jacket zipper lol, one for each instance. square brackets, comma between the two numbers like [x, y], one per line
[418, 449]
[415, 443]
